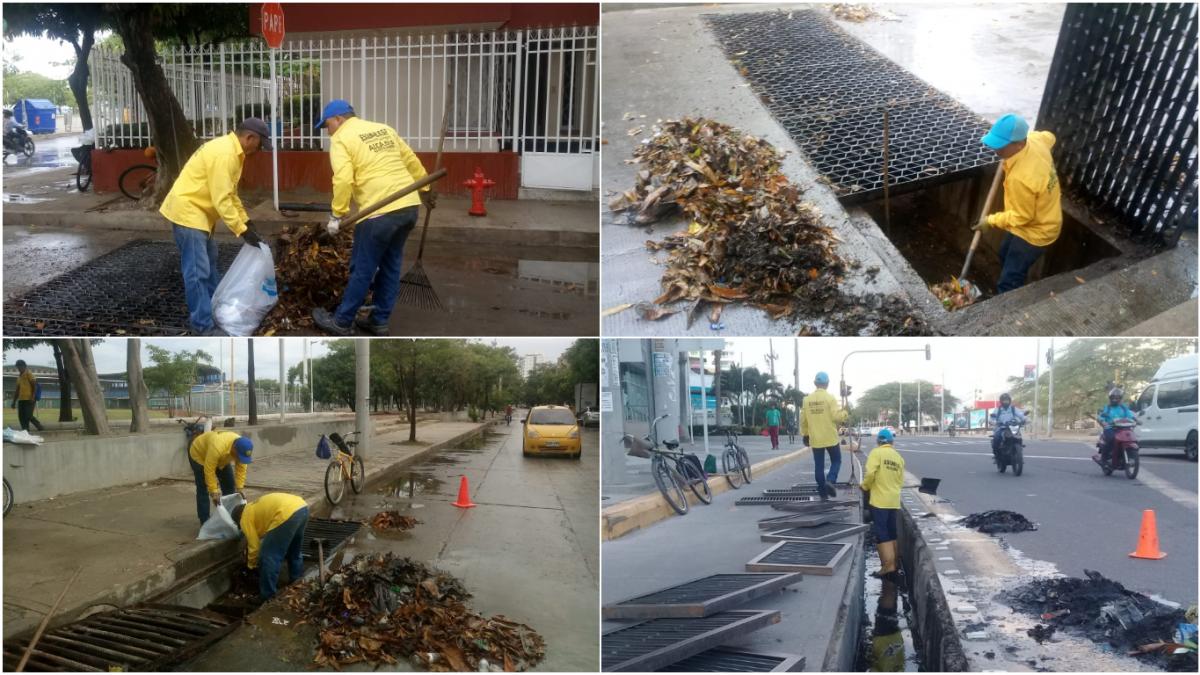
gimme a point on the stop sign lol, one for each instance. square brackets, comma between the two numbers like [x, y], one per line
[272, 24]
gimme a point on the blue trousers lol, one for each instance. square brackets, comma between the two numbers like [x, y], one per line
[198, 262]
[835, 463]
[285, 542]
[224, 479]
[1017, 256]
[884, 521]
[375, 265]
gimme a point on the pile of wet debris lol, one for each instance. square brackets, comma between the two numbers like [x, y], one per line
[312, 268]
[393, 520]
[382, 607]
[751, 237]
[1105, 612]
[953, 294]
[997, 521]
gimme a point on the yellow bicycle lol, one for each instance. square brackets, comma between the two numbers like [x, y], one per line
[344, 467]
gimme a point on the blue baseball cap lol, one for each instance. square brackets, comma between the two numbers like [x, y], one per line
[1008, 129]
[885, 436]
[243, 447]
[822, 378]
[338, 106]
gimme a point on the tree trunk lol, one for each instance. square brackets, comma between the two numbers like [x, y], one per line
[250, 381]
[138, 395]
[81, 366]
[172, 134]
[412, 397]
[64, 385]
[78, 80]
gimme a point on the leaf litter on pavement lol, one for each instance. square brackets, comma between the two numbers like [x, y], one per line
[382, 607]
[393, 520]
[312, 269]
[751, 237]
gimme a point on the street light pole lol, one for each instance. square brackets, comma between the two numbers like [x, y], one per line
[918, 407]
[900, 409]
[926, 349]
[1050, 394]
[282, 383]
[742, 391]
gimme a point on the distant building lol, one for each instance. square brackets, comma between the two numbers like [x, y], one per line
[527, 363]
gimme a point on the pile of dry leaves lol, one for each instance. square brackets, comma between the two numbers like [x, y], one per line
[393, 520]
[382, 607]
[853, 13]
[312, 268]
[954, 294]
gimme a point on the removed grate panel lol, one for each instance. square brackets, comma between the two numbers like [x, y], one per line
[813, 505]
[141, 638]
[656, 643]
[336, 534]
[801, 491]
[800, 556]
[823, 532]
[799, 520]
[730, 660]
[700, 597]
[775, 499]
[813, 486]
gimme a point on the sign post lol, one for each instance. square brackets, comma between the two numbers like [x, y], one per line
[272, 32]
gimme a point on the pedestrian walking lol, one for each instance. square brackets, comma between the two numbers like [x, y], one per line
[219, 460]
[370, 161]
[820, 417]
[773, 418]
[25, 398]
[205, 192]
[274, 528]
[883, 478]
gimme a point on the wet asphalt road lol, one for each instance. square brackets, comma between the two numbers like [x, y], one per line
[1087, 520]
[49, 153]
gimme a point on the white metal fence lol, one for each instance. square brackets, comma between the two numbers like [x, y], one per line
[527, 91]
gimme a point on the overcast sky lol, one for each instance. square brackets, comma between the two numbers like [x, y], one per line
[52, 58]
[110, 353]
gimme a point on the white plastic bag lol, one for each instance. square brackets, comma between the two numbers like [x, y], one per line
[247, 291]
[21, 437]
[220, 523]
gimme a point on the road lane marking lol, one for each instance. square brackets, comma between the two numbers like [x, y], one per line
[1171, 492]
[988, 455]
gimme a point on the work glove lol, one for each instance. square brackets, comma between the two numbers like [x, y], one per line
[332, 226]
[429, 199]
[250, 236]
[805, 439]
[242, 495]
[981, 226]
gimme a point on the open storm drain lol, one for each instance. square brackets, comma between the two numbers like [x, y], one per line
[728, 660]
[798, 556]
[334, 534]
[142, 638]
[656, 643]
[136, 289]
[829, 91]
[822, 532]
[701, 597]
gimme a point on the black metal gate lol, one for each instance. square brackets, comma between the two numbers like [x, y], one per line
[1121, 99]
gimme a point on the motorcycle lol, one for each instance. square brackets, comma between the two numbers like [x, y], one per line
[1124, 452]
[1012, 448]
[952, 431]
[18, 142]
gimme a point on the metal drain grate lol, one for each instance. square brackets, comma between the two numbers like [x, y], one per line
[656, 643]
[800, 556]
[728, 660]
[775, 499]
[813, 505]
[806, 491]
[141, 638]
[134, 290]
[700, 597]
[813, 486]
[828, 90]
[822, 532]
[799, 520]
[336, 534]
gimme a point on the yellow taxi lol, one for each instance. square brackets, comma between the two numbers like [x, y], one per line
[551, 430]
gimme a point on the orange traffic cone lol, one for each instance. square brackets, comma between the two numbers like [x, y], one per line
[464, 496]
[1148, 539]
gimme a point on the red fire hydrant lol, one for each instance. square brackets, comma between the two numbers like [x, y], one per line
[477, 184]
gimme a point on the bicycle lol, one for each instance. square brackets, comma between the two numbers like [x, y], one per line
[9, 500]
[734, 461]
[138, 181]
[83, 175]
[672, 470]
[345, 466]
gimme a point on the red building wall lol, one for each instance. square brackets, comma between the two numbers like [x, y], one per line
[348, 16]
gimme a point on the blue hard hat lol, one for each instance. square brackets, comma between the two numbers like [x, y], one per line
[1008, 129]
[243, 447]
[885, 436]
[822, 378]
[338, 106]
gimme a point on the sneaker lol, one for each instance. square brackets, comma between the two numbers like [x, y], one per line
[829, 490]
[364, 324]
[327, 323]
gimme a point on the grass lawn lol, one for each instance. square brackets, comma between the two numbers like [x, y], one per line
[50, 415]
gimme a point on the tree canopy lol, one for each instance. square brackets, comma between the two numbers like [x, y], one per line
[173, 372]
[883, 397]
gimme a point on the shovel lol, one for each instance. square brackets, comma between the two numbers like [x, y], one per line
[969, 287]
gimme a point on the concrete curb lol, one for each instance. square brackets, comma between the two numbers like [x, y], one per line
[619, 520]
[934, 625]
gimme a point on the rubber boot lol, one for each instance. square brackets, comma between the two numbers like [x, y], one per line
[887, 560]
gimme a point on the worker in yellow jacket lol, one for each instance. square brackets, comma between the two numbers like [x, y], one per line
[218, 456]
[883, 478]
[370, 161]
[274, 528]
[25, 398]
[820, 417]
[205, 192]
[1032, 214]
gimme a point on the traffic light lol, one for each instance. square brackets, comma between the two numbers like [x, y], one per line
[845, 390]
[928, 353]
[1050, 357]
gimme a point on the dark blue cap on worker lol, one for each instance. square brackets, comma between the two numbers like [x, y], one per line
[338, 106]
[1008, 129]
[243, 447]
[259, 127]
[822, 378]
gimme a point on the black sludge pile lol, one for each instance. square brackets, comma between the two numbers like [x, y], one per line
[994, 522]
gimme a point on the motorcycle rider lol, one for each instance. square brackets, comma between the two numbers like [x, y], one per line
[1110, 413]
[10, 129]
[508, 414]
[1006, 413]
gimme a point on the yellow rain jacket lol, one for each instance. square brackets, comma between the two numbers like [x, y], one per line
[214, 450]
[1032, 199]
[820, 416]
[370, 161]
[206, 189]
[884, 476]
[263, 515]
[26, 386]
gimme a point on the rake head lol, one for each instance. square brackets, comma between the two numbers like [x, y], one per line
[416, 290]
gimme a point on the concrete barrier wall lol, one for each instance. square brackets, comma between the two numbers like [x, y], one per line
[933, 625]
[95, 462]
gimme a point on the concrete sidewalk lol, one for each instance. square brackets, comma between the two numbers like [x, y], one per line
[137, 541]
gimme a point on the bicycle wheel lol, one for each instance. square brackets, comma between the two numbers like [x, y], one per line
[335, 483]
[664, 478]
[8, 497]
[137, 181]
[83, 177]
[694, 475]
[358, 475]
[732, 468]
[744, 460]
